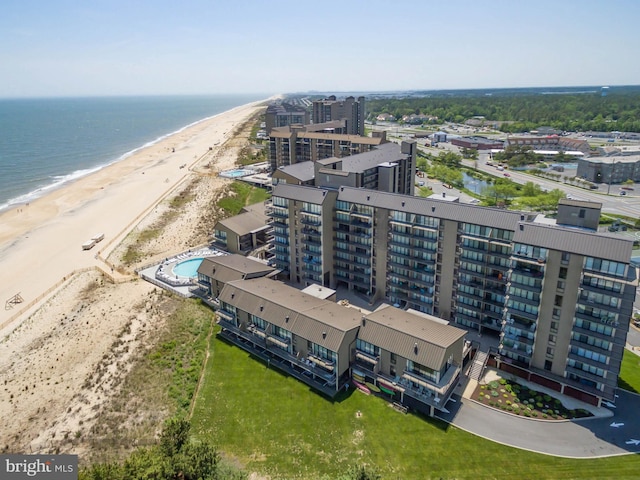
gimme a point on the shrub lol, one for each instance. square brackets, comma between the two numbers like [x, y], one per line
[516, 400]
[527, 413]
[505, 395]
[534, 414]
[493, 384]
[486, 396]
[508, 388]
[508, 402]
[547, 398]
[509, 408]
[482, 387]
[503, 381]
[544, 415]
[539, 405]
[494, 393]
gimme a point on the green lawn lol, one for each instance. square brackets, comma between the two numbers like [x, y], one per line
[244, 194]
[275, 425]
[629, 378]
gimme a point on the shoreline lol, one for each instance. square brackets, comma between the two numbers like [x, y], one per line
[63, 181]
[40, 242]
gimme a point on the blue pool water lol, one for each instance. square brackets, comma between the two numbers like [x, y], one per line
[187, 268]
[236, 173]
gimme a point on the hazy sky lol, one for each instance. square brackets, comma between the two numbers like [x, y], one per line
[114, 47]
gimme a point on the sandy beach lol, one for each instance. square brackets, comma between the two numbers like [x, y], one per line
[40, 244]
[71, 313]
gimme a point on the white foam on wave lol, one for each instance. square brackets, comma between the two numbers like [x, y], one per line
[58, 181]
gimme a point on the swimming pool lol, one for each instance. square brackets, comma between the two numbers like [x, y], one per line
[188, 268]
[240, 172]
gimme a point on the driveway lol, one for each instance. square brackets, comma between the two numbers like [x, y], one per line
[586, 438]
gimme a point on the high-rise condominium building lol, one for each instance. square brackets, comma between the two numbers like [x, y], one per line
[559, 296]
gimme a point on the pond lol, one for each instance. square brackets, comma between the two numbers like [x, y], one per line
[475, 185]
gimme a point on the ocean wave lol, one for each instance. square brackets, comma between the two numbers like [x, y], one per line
[58, 181]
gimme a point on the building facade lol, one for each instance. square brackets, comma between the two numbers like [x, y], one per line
[415, 361]
[284, 114]
[560, 297]
[389, 167]
[298, 143]
[350, 110]
[612, 170]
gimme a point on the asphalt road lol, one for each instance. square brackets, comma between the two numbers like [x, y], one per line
[585, 438]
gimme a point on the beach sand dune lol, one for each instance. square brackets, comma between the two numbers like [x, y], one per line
[48, 352]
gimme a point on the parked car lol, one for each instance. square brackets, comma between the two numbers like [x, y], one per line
[506, 174]
[622, 192]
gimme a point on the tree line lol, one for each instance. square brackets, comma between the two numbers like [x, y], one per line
[567, 112]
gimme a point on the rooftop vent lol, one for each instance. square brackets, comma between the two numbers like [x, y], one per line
[415, 348]
[324, 334]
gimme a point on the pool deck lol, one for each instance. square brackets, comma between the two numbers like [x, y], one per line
[161, 274]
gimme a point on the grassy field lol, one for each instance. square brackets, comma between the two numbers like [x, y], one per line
[629, 378]
[275, 425]
[243, 195]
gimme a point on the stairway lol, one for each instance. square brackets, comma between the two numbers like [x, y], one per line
[477, 367]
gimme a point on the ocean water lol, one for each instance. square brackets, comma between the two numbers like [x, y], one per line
[45, 143]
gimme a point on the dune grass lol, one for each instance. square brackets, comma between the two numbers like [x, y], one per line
[274, 425]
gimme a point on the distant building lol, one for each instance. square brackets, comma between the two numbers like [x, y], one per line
[301, 143]
[552, 142]
[612, 170]
[284, 114]
[388, 167]
[350, 110]
[477, 143]
[438, 137]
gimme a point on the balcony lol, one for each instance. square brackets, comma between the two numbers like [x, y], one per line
[518, 348]
[227, 316]
[315, 222]
[321, 362]
[369, 359]
[279, 341]
[298, 367]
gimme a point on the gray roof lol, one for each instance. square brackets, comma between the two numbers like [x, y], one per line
[575, 240]
[399, 332]
[301, 193]
[303, 171]
[226, 268]
[245, 223]
[387, 152]
[492, 217]
[322, 321]
[580, 203]
[357, 139]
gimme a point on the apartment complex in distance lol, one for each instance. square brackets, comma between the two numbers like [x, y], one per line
[559, 296]
[350, 110]
[283, 114]
[300, 143]
[389, 167]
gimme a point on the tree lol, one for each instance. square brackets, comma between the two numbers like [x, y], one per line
[174, 436]
[174, 457]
